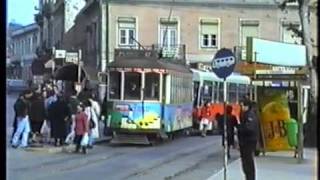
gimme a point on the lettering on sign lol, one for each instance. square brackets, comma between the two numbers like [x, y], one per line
[275, 129]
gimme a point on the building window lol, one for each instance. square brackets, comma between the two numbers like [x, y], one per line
[209, 33]
[169, 37]
[168, 33]
[288, 35]
[249, 28]
[127, 31]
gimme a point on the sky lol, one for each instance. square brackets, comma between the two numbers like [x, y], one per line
[21, 11]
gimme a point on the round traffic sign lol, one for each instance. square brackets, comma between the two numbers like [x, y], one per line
[223, 63]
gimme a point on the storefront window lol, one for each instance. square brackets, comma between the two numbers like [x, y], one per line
[132, 86]
[152, 86]
[115, 85]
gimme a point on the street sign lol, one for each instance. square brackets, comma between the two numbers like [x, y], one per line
[223, 63]
[60, 53]
[72, 57]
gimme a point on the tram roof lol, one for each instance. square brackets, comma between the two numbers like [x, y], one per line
[210, 76]
[148, 63]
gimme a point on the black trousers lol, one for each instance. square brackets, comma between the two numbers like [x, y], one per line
[247, 159]
[77, 140]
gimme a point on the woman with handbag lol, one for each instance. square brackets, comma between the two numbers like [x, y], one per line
[81, 129]
[94, 122]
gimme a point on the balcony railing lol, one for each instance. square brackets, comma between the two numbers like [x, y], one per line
[174, 54]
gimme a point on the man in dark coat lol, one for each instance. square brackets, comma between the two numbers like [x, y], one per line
[58, 114]
[231, 124]
[248, 136]
[37, 113]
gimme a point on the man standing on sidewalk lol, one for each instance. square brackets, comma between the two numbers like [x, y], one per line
[247, 135]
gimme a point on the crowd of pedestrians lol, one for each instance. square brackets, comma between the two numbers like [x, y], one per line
[45, 115]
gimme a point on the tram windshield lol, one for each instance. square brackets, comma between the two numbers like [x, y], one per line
[132, 86]
[115, 84]
[152, 86]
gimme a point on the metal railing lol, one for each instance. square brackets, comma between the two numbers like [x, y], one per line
[174, 53]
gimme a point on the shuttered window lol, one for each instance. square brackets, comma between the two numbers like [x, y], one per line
[209, 33]
[127, 31]
[249, 28]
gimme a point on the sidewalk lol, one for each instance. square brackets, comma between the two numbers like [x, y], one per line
[276, 166]
[69, 148]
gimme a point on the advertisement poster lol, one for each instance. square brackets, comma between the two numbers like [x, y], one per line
[274, 113]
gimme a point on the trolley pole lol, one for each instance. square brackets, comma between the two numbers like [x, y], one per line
[225, 144]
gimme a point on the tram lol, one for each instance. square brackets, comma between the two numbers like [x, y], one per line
[148, 99]
[207, 87]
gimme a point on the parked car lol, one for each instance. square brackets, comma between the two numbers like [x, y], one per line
[16, 85]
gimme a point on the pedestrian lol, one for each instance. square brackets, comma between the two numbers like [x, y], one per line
[81, 128]
[73, 103]
[37, 114]
[105, 108]
[231, 125]
[58, 114]
[23, 129]
[95, 114]
[205, 118]
[19, 107]
[248, 135]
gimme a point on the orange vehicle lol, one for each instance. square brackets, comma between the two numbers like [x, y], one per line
[207, 87]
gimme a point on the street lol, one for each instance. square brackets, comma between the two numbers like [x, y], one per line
[185, 157]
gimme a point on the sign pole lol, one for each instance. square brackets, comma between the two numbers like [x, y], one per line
[223, 65]
[225, 143]
[79, 67]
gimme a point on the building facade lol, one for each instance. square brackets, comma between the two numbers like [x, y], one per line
[202, 26]
[25, 42]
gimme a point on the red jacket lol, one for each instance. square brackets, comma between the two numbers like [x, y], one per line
[82, 124]
[206, 112]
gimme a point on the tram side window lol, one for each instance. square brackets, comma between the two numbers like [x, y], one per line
[195, 93]
[232, 93]
[152, 86]
[220, 98]
[207, 92]
[132, 86]
[115, 85]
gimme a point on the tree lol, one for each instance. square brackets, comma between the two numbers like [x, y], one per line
[305, 34]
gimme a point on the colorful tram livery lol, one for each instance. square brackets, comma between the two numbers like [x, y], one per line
[207, 87]
[148, 98]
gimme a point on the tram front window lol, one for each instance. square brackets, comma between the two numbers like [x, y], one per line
[132, 86]
[115, 81]
[152, 86]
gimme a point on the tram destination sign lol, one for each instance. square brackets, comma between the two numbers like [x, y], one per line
[223, 63]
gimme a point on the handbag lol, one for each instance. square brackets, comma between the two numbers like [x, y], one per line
[85, 140]
[45, 130]
[92, 124]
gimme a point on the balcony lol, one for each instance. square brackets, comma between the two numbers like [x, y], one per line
[174, 54]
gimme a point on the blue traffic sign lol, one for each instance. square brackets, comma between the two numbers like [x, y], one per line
[223, 63]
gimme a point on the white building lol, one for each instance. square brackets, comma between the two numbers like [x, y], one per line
[25, 42]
